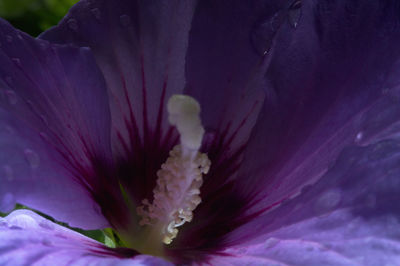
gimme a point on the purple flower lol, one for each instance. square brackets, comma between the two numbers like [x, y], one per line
[300, 107]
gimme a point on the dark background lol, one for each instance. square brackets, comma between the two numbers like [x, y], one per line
[34, 16]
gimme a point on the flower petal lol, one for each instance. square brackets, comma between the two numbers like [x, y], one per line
[140, 46]
[224, 68]
[28, 238]
[333, 82]
[349, 217]
[53, 114]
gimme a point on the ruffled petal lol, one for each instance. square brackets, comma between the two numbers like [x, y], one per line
[54, 116]
[27, 238]
[140, 47]
[349, 217]
[333, 82]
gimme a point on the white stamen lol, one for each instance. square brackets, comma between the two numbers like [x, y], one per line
[176, 194]
[184, 114]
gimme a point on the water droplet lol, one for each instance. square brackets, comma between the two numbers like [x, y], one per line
[46, 242]
[11, 97]
[9, 38]
[46, 225]
[19, 36]
[16, 61]
[32, 158]
[88, 3]
[125, 20]
[30, 104]
[309, 248]
[294, 13]
[44, 120]
[44, 45]
[271, 242]
[8, 172]
[328, 200]
[359, 137]
[97, 209]
[44, 136]
[23, 221]
[262, 34]
[61, 235]
[15, 227]
[7, 202]
[73, 24]
[96, 13]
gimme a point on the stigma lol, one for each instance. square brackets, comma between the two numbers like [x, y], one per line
[177, 191]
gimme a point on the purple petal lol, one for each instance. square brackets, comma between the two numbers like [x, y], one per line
[224, 66]
[333, 83]
[27, 238]
[349, 217]
[54, 115]
[140, 46]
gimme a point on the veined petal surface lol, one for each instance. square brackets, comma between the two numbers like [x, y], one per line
[54, 118]
[333, 82]
[349, 217]
[140, 47]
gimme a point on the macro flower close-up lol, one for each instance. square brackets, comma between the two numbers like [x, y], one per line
[206, 132]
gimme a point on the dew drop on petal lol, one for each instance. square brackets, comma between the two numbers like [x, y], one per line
[23, 221]
[15, 227]
[46, 225]
[294, 13]
[88, 3]
[262, 34]
[359, 137]
[125, 20]
[97, 209]
[72, 24]
[44, 136]
[11, 97]
[7, 202]
[271, 242]
[96, 13]
[328, 200]
[16, 61]
[32, 158]
[47, 242]
[8, 172]
[44, 120]
[61, 235]
[44, 45]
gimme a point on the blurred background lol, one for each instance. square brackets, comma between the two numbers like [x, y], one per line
[34, 16]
